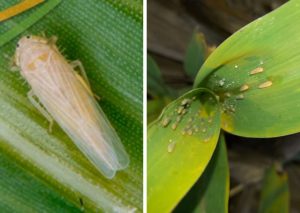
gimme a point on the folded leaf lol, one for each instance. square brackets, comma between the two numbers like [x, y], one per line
[155, 107]
[180, 144]
[211, 192]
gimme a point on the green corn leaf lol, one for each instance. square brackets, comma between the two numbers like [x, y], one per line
[33, 194]
[180, 144]
[107, 37]
[195, 55]
[275, 192]
[211, 192]
[28, 21]
[268, 105]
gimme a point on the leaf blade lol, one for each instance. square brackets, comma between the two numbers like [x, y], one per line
[195, 55]
[275, 192]
[176, 159]
[262, 112]
[33, 194]
[211, 191]
[113, 61]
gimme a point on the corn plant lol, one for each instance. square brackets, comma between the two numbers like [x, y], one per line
[248, 87]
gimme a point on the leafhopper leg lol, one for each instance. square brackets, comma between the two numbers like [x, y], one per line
[40, 108]
[52, 40]
[43, 34]
[82, 73]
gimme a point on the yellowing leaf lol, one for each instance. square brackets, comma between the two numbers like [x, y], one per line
[180, 145]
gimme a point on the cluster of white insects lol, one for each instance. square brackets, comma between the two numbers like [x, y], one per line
[195, 123]
[229, 104]
[64, 95]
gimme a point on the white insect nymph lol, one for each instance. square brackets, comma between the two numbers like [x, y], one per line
[65, 96]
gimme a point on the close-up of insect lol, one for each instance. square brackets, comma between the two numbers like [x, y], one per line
[66, 97]
[71, 106]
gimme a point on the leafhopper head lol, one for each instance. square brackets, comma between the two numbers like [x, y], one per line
[26, 44]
